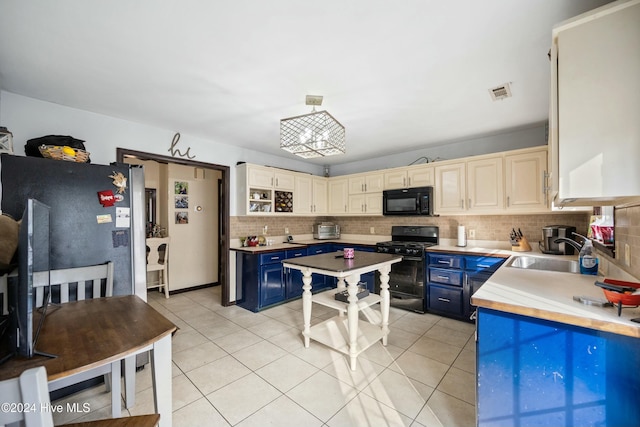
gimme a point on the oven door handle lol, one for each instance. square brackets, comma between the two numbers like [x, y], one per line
[411, 258]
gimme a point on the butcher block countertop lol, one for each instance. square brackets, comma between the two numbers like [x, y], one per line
[549, 295]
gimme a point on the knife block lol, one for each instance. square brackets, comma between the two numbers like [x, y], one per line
[523, 245]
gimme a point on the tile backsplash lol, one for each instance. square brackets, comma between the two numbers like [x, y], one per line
[486, 227]
[627, 232]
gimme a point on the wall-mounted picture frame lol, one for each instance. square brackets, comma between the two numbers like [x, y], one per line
[182, 202]
[182, 217]
[181, 187]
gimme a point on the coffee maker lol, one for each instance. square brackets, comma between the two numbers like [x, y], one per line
[549, 235]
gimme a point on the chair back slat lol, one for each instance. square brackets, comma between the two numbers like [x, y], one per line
[64, 292]
[70, 284]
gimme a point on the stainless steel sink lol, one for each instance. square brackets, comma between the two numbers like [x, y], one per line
[545, 264]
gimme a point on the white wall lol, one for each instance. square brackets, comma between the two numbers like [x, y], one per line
[30, 118]
[193, 259]
[512, 140]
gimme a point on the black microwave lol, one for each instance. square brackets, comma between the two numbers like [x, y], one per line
[408, 201]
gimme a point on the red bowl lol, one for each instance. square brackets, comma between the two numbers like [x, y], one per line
[617, 297]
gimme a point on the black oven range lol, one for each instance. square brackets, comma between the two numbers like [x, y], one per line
[408, 277]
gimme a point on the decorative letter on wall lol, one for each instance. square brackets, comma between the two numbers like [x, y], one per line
[174, 151]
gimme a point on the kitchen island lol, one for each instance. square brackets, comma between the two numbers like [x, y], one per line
[350, 336]
[545, 359]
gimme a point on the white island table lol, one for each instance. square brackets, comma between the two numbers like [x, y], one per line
[350, 336]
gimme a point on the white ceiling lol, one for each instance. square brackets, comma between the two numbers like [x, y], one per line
[399, 75]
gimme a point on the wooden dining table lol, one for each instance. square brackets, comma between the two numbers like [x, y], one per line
[80, 336]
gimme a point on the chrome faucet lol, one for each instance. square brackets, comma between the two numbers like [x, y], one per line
[572, 242]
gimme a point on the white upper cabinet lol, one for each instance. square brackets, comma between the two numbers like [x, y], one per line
[310, 195]
[410, 176]
[283, 180]
[595, 106]
[320, 197]
[338, 196]
[525, 183]
[266, 177]
[485, 191]
[258, 176]
[451, 188]
[367, 203]
[366, 183]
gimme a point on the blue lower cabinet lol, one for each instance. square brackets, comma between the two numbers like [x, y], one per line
[259, 280]
[369, 279]
[272, 289]
[534, 372]
[320, 282]
[292, 277]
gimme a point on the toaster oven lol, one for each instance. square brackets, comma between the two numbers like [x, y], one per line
[326, 230]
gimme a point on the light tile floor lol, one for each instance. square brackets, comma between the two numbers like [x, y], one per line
[232, 367]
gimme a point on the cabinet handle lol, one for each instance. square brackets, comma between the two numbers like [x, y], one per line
[276, 182]
[362, 187]
[409, 181]
[508, 201]
[444, 299]
[462, 203]
[443, 278]
[483, 266]
[440, 261]
[273, 258]
[272, 182]
[345, 208]
[361, 208]
[404, 182]
[365, 207]
[365, 188]
[469, 205]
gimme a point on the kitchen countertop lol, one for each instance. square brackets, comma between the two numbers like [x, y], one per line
[303, 243]
[549, 295]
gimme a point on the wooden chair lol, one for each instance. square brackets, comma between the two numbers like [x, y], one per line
[78, 284]
[30, 391]
[158, 261]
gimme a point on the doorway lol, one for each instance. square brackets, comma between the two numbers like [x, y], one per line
[222, 188]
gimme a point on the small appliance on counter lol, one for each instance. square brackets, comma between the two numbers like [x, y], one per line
[326, 230]
[550, 234]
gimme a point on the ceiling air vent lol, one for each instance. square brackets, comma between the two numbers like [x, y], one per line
[500, 92]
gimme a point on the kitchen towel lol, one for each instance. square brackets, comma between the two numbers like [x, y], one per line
[462, 236]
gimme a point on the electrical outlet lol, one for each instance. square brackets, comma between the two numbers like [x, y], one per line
[372, 230]
[471, 233]
[627, 255]
[286, 230]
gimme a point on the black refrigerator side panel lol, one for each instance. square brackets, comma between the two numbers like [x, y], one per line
[71, 190]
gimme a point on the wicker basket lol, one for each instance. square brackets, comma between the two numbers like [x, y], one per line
[57, 152]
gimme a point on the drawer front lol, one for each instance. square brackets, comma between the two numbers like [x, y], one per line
[485, 263]
[445, 299]
[318, 249]
[296, 253]
[272, 257]
[447, 277]
[447, 261]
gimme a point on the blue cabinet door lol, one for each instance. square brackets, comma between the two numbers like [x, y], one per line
[534, 372]
[272, 287]
[293, 277]
[320, 281]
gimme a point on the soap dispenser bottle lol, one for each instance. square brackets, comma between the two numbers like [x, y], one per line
[588, 259]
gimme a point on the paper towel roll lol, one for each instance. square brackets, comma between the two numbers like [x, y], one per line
[462, 236]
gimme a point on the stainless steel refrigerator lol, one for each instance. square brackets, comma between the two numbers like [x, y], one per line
[85, 228]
